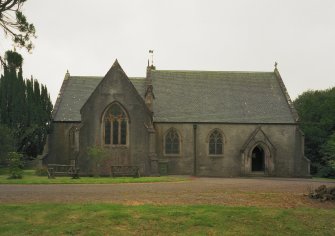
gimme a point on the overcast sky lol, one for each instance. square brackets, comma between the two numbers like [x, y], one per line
[86, 37]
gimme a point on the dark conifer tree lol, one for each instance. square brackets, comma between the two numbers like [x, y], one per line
[25, 107]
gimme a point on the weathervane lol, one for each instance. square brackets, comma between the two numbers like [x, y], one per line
[276, 65]
[151, 55]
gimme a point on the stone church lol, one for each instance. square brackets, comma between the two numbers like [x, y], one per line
[202, 123]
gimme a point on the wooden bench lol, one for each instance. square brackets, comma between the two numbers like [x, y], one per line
[62, 170]
[118, 171]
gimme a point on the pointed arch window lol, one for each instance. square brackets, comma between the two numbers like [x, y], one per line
[74, 138]
[172, 142]
[115, 126]
[215, 143]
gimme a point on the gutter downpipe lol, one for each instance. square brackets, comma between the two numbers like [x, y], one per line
[195, 149]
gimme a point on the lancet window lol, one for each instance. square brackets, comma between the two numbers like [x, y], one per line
[172, 142]
[215, 143]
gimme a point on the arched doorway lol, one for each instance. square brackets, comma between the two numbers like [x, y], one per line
[257, 159]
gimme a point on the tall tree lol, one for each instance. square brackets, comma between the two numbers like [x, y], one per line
[328, 151]
[38, 122]
[25, 107]
[6, 143]
[317, 113]
[15, 24]
[12, 91]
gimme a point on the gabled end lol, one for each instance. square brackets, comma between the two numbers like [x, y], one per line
[116, 64]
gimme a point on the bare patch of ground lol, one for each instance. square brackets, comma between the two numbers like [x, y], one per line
[265, 192]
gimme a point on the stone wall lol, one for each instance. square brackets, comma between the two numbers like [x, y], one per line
[285, 153]
[60, 149]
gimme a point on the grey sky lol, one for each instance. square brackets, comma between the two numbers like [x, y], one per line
[86, 37]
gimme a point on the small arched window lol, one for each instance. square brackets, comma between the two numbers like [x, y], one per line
[215, 143]
[172, 142]
[74, 138]
[115, 126]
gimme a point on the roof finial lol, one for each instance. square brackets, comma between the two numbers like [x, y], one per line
[67, 75]
[276, 65]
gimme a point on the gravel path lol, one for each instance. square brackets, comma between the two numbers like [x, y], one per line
[274, 192]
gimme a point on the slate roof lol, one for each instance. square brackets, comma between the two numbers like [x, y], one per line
[193, 96]
[203, 96]
[76, 90]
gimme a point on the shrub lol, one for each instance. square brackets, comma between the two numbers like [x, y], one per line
[15, 165]
[97, 154]
[4, 170]
[41, 171]
[326, 172]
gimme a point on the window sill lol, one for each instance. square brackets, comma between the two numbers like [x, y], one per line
[172, 155]
[115, 146]
[216, 156]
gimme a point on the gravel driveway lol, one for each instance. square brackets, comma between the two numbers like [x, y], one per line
[274, 192]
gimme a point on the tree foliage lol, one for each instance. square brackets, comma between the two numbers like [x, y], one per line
[328, 152]
[317, 114]
[97, 154]
[15, 165]
[25, 107]
[15, 24]
[6, 143]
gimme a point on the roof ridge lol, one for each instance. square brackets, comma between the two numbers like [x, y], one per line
[214, 71]
[100, 77]
[85, 76]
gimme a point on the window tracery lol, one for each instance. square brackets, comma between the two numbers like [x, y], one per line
[115, 126]
[172, 142]
[215, 143]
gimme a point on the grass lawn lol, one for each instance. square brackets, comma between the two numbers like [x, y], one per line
[116, 219]
[29, 177]
[111, 219]
[324, 179]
